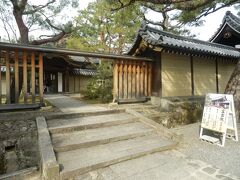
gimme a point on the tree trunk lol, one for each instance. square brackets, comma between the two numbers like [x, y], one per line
[233, 87]
[23, 29]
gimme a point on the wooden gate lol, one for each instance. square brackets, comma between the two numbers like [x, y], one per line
[132, 80]
[27, 63]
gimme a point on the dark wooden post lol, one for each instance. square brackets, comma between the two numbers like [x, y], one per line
[33, 77]
[16, 76]
[217, 81]
[25, 76]
[41, 77]
[8, 95]
[192, 75]
[146, 80]
[0, 84]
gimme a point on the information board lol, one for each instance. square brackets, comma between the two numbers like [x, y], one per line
[219, 116]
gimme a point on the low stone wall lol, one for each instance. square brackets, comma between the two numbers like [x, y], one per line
[179, 110]
[18, 144]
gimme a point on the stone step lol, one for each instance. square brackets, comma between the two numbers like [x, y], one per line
[88, 122]
[92, 137]
[76, 162]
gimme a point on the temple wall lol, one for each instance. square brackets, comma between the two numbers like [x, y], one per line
[78, 83]
[225, 69]
[176, 75]
[204, 73]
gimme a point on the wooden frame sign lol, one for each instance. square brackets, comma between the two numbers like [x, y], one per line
[219, 119]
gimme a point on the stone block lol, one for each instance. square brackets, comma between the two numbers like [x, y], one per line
[49, 165]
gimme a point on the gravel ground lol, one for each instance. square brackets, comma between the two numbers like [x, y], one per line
[226, 158]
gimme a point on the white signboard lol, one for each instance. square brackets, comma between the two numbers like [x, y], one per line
[219, 116]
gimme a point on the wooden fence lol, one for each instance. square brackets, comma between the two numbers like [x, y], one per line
[132, 80]
[22, 72]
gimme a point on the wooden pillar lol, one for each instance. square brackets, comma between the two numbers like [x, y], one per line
[129, 81]
[121, 80]
[138, 80]
[8, 95]
[16, 75]
[192, 75]
[125, 80]
[115, 81]
[146, 80]
[142, 79]
[0, 83]
[217, 81]
[33, 76]
[67, 80]
[134, 80]
[25, 76]
[41, 77]
[150, 79]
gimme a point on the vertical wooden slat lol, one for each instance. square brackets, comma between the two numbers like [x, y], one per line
[8, 95]
[125, 79]
[115, 81]
[142, 79]
[16, 76]
[138, 80]
[25, 76]
[146, 80]
[0, 82]
[41, 77]
[33, 77]
[121, 80]
[134, 80]
[129, 81]
[150, 79]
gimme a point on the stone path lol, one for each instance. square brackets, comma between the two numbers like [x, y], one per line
[69, 105]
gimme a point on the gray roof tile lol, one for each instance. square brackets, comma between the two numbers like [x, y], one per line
[161, 38]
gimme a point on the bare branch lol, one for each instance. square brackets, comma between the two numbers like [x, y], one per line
[54, 38]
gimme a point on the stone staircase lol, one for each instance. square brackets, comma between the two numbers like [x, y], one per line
[86, 143]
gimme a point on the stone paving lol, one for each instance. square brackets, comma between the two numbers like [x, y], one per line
[193, 159]
[69, 105]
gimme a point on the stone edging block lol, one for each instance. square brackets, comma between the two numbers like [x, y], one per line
[49, 165]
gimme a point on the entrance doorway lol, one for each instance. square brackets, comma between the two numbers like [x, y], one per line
[50, 82]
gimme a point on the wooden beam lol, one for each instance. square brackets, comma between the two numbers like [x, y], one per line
[192, 75]
[8, 81]
[41, 77]
[141, 79]
[33, 77]
[16, 76]
[138, 80]
[25, 76]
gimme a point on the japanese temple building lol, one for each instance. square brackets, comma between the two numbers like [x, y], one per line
[229, 31]
[181, 66]
[158, 64]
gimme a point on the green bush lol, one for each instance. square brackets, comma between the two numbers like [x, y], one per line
[100, 86]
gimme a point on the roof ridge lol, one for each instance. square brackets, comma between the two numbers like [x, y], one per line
[188, 38]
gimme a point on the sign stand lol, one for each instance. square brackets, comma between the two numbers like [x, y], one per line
[219, 119]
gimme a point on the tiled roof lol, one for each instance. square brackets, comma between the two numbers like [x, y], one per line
[84, 72]
[230, 20]
[159, 38]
